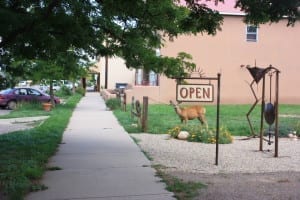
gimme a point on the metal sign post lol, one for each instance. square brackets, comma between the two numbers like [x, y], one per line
[201, 93]
[218, 119]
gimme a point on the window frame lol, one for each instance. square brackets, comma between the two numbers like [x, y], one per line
[251, 33]
[146, 78]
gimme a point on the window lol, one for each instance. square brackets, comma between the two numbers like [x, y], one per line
[144, 77]
[21, 91]
[251, 33]
[33, 92]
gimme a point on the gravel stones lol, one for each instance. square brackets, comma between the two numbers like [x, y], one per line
[242, 156]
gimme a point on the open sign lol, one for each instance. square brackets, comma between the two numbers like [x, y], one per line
[195, 93]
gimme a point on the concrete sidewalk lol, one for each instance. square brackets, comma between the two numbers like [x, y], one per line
[99, 160]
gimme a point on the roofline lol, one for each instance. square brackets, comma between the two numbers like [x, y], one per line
[232, 13]
[241, 14]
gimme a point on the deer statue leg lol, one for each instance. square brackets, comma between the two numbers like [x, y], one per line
[203, 121]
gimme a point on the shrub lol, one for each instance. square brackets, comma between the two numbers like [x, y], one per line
[80, 90]
[297, 129]
[200, 134]
[173, 132]
[64, 91]
[225, 137]
[113, 103]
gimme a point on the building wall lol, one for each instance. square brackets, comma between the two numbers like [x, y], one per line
[225, 52]
[161, 94]
[117, 72]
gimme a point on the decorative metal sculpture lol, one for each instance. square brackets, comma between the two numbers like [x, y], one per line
[257, 74]
[269, 111]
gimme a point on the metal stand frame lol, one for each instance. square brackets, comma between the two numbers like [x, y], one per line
[258, 74]
[276, 103]
[218, 78]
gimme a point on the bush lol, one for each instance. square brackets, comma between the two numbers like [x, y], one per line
[200, 134]
[297, 129]
[113, 103]
[173, 132]
[80, 90]
[64, 91]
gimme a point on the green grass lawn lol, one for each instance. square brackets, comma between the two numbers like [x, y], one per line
[161, 118]
[24, 154]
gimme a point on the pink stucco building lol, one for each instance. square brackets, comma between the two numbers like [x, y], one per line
[235, 45]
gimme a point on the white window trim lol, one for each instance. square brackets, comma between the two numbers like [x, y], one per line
[152, 78]
[251, 40]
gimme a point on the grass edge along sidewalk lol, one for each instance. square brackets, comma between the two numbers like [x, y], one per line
[24, 154]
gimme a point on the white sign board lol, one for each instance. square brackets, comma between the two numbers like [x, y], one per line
[195, 93]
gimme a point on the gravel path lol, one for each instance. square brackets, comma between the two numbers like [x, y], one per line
[243, 171]
[242, 156]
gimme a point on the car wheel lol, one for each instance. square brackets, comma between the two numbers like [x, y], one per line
[12, 105]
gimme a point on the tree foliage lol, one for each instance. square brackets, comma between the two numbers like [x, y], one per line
[263, 11]
[46, 29]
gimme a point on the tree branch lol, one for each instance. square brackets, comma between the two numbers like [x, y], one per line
[27, 27]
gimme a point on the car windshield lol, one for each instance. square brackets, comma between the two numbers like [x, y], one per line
[6, 91]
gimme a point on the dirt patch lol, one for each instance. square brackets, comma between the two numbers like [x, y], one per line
[243, 173]
[253, 186]
[16, 124]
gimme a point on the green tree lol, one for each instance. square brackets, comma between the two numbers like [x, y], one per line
[263, 11]
[130, 29]
[41, 29]
[68, 65]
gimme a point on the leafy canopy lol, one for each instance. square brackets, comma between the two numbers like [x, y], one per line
[263, 11]
[45, 29]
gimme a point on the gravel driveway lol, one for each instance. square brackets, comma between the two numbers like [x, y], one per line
[243, 171]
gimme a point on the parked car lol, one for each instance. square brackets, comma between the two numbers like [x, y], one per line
[22, 84]
[43, 88]
[10, 97]
[69, 84]
[56, 86]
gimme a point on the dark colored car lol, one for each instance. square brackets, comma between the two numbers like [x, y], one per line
[10, 97]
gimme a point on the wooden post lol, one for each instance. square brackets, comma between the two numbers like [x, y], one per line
[125, 101]
[132, 107]
[145, 114]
